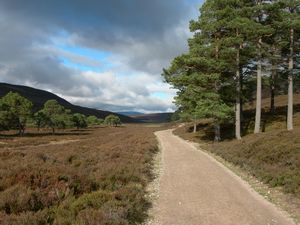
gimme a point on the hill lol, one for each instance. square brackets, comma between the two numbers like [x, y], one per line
[154, 117]
[39, 97]
[130, 113]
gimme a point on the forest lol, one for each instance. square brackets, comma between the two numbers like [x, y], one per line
[241, 52]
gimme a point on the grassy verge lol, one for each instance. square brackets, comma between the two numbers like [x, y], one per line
[99, 177]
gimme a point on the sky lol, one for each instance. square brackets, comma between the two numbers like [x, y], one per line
[105, 54]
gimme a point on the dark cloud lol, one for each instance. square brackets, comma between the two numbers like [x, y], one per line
[139, 18]
[145, 29]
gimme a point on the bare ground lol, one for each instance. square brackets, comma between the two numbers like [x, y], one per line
[196, 189]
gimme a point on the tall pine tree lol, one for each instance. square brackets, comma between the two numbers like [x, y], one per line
[198, 74]
[264, 30]
[291, 25]
[238, 40]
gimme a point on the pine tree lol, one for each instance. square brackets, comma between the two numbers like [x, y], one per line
[18, 110]
[198, 75]
[274, 41]
[55, 114]
[239, 36]
[264, 30]
[291, 24]
[197, 95]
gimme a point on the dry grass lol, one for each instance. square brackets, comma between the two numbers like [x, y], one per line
[274, 157]
[94, 176]
[280, 101]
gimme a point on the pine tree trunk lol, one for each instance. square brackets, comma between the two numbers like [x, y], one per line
[290, 83]
[217, 89]
[241, 99]
[258, 93]
[272, 88]
[217, 132]
[238, 99]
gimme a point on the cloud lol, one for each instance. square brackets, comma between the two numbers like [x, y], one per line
[141, 38]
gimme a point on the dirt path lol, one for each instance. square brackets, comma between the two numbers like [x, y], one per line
[62, 142]
[195, 189]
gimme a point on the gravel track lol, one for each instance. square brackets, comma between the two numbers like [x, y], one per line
[195, 189]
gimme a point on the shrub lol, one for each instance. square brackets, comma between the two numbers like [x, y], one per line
[112, 120]
[93, 120]
[79, 120]
[26, 218]
[17, 199]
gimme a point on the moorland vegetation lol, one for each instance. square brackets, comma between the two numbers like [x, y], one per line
[96, 175]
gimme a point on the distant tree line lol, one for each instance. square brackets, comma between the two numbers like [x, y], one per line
[238, 47]
[16, 112]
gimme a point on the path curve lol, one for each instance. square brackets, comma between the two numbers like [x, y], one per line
[195, 189]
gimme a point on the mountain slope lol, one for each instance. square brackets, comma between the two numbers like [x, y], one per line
[130, 113]
[154, 117]
[39, 97]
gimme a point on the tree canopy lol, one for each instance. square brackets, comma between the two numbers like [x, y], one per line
[15, 110]
[79, 120]
[112, 120]
[56, 116]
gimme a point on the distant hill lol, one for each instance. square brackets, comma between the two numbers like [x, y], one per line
[39, 97]
[130, 113]
[154, 117]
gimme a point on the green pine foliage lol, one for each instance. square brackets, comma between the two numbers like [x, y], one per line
[56, 115]
[112, 120]
[79, 120]
[15, 110]
[40, 119]
[16, 113]
[93, 120]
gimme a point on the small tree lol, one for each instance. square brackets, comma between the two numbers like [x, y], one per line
[79, 120]
[100, 121]
[55, 114]
[16, 109]
[6, 117]
[112, 120]
[93, 120]
[40, 119]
